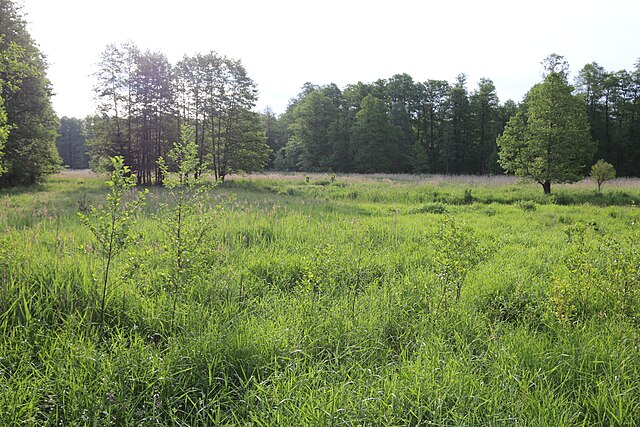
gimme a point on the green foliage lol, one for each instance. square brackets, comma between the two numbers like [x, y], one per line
[611, 100]
[548, 139]
[432, 208]
[4, 132]
[313, 308]
[71, 143]
[141, 93]
[113, 225]
[372, 136]
[27, 122]
[392, 125]
[526, 205]
[601, 172]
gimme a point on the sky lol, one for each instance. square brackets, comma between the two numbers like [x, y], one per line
[285, 43]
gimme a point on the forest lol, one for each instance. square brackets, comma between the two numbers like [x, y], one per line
[394, 125]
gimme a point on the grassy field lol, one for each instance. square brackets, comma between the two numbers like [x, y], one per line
[327, 301]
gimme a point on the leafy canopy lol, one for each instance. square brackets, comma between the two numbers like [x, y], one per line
[548, 140]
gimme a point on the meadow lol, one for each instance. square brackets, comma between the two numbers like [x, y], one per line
[325, 300]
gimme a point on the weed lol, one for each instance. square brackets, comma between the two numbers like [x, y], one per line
[468, 197]
[526, 205]
[601, 276]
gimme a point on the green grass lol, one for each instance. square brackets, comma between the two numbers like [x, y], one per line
[316, 304]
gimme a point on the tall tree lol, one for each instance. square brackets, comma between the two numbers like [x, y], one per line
[612, 102]
[27, 121]
[458, 142]
[154, 109]
[7, 57]
[371, 135]
[136, 117]
[402, 94]
[484, 111]
[311, 130]
[115, 94]
[274, 135]
[548, 140]
[434, 108]
[215, 96]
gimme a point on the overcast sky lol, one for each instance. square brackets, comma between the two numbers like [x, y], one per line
[285, 43]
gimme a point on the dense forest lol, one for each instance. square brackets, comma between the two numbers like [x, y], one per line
[393, 125]
[400, 125]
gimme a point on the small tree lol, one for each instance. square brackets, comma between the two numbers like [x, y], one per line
[458, 253]
[602, 171]
[186, 219]
[112, 225]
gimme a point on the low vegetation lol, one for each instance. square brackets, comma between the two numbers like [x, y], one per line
[323, 300]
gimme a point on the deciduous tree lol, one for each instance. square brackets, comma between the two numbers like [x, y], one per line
[548, 140]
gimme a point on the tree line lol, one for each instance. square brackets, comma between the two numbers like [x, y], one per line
[612, 102]
[400, 125]
[391, 125]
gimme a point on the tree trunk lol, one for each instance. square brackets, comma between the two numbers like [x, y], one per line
[546, 186]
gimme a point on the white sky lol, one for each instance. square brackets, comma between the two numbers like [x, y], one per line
[285, 43]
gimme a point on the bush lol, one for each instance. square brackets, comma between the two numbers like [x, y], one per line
[458, 252]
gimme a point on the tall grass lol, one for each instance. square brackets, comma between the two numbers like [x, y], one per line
[309, 306]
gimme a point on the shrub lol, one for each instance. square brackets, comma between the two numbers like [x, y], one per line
[458, 251]
[112, 226]
[187, 221]
[468, 197]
